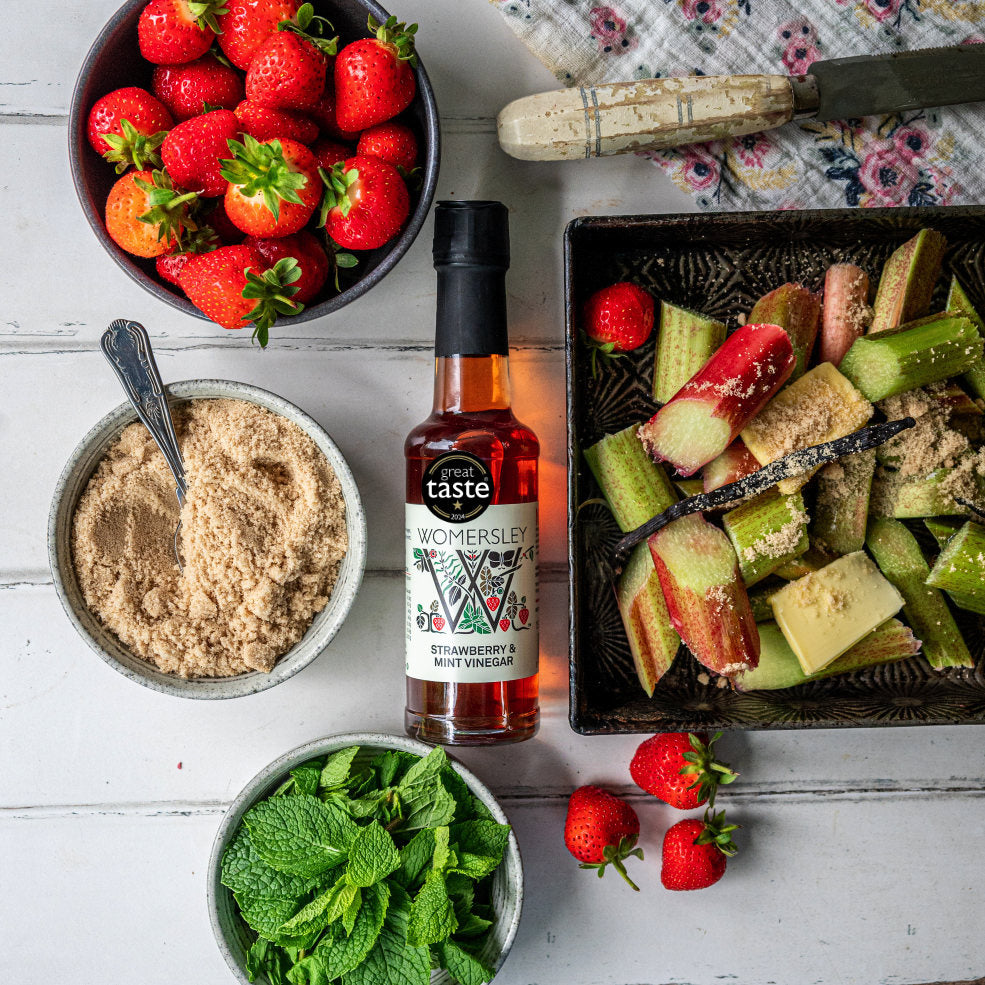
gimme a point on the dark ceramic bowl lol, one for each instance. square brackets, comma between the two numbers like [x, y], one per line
[114, 61]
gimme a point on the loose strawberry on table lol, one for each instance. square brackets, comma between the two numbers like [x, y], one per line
[680, 768]
[618, 318]
[366, 203]
[601, 829]
[265, 123]
[127, 126]
[392, 142]
[146, 215]
[171, 32]
[193, 150]
[374, 80]
[187, 89]
[695, 852]
[246, 24]
[274, 187]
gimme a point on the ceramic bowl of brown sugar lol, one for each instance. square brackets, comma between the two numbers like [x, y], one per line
[255, 613]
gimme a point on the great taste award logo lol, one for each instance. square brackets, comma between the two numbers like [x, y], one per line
[457, 487]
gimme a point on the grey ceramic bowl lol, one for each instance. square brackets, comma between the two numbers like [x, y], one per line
[114, 61]
[72, 483]
[231, 933]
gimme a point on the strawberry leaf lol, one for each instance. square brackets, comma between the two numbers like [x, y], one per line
[132, 148]
[273, 291]
[205, 13]
[169, 210]
[261, 168]
[616, 855]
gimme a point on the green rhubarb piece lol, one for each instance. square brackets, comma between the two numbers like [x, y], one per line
[913, 355]
[959, 303]
[942, 529]
[690, 487]
[798, 312]
[779, 667]
[929, 495]
[686, 340]
[841, 508]
[759, 598]
[960, 568]
[907, 282]
[810, 561]
[652, 639]
[900, 559]
[634, 486]
[767, 532]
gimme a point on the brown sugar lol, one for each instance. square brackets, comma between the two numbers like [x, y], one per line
[263, 536]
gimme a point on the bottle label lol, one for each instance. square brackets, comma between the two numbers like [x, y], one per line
[471, 590]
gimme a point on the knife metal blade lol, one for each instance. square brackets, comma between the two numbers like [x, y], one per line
[873, 85]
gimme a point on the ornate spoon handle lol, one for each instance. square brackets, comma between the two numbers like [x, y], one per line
[127, 347]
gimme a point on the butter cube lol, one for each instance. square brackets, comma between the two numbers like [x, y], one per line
[828, 611]
[821, 406]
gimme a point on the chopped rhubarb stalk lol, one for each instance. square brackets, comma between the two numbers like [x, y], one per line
[959, 303]
[709, 411]
[735, 463]
[846, 311]
[960, 569]
[686, 340]
[705, 595]
[797, 311]
[767, 532]
[819, 407]
[652, 639]
[841, 507]
[908, 280]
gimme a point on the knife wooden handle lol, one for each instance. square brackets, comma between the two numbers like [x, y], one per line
[622, 117]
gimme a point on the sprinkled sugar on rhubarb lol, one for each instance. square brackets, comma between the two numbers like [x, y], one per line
[707, 413]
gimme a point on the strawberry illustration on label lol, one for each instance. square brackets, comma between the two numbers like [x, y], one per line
[524, 616]
[493, 602]
[504, 624]
[439, 623]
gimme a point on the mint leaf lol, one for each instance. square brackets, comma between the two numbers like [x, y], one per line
[472, 926]
[480, 846]
[337, 768]
[351, 910]
[263, 958]
[300, 835]
[480, 810]
[432, 914]
[463, 966]
[243, 871]
[456, 786]
[461, 889]
[426, 805]
[315, 915]
[392, 962]
[306, 780]
[415, 857]
[443, 855]
[392, 764]
[341, 954]
[425, 771]
[265, 915]
[372, 857]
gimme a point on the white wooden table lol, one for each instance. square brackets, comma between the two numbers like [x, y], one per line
[862, 857]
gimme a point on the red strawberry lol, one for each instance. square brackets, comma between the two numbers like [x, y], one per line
[392, 142]
[600, 830]
[145, 215]
[366, 203]
[171, 32]
[328, 153]
[266, 124]
[323, 113]
[136, 144]
[248, 23]
[186, 89]
[193, 149]
[228, 286]
[373, 77]
[274, 187]
[619, 318]
[310, 255]
[170, 265]
[680, 769]
[695, 852]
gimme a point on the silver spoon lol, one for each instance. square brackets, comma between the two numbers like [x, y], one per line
[126, 345]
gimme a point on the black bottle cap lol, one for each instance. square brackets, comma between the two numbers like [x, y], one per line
[472, 234]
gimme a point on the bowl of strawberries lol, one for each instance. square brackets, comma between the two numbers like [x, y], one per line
[253, 160]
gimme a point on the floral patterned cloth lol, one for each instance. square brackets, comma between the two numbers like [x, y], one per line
[924, 157]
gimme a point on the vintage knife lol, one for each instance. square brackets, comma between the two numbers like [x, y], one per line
[653, 114]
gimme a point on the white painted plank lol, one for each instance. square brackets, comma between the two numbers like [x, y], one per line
[447, 40]
[810, 898]
[78, 733]
[367, 399]
[82, 289]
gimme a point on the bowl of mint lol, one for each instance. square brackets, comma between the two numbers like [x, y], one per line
[365, 859]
